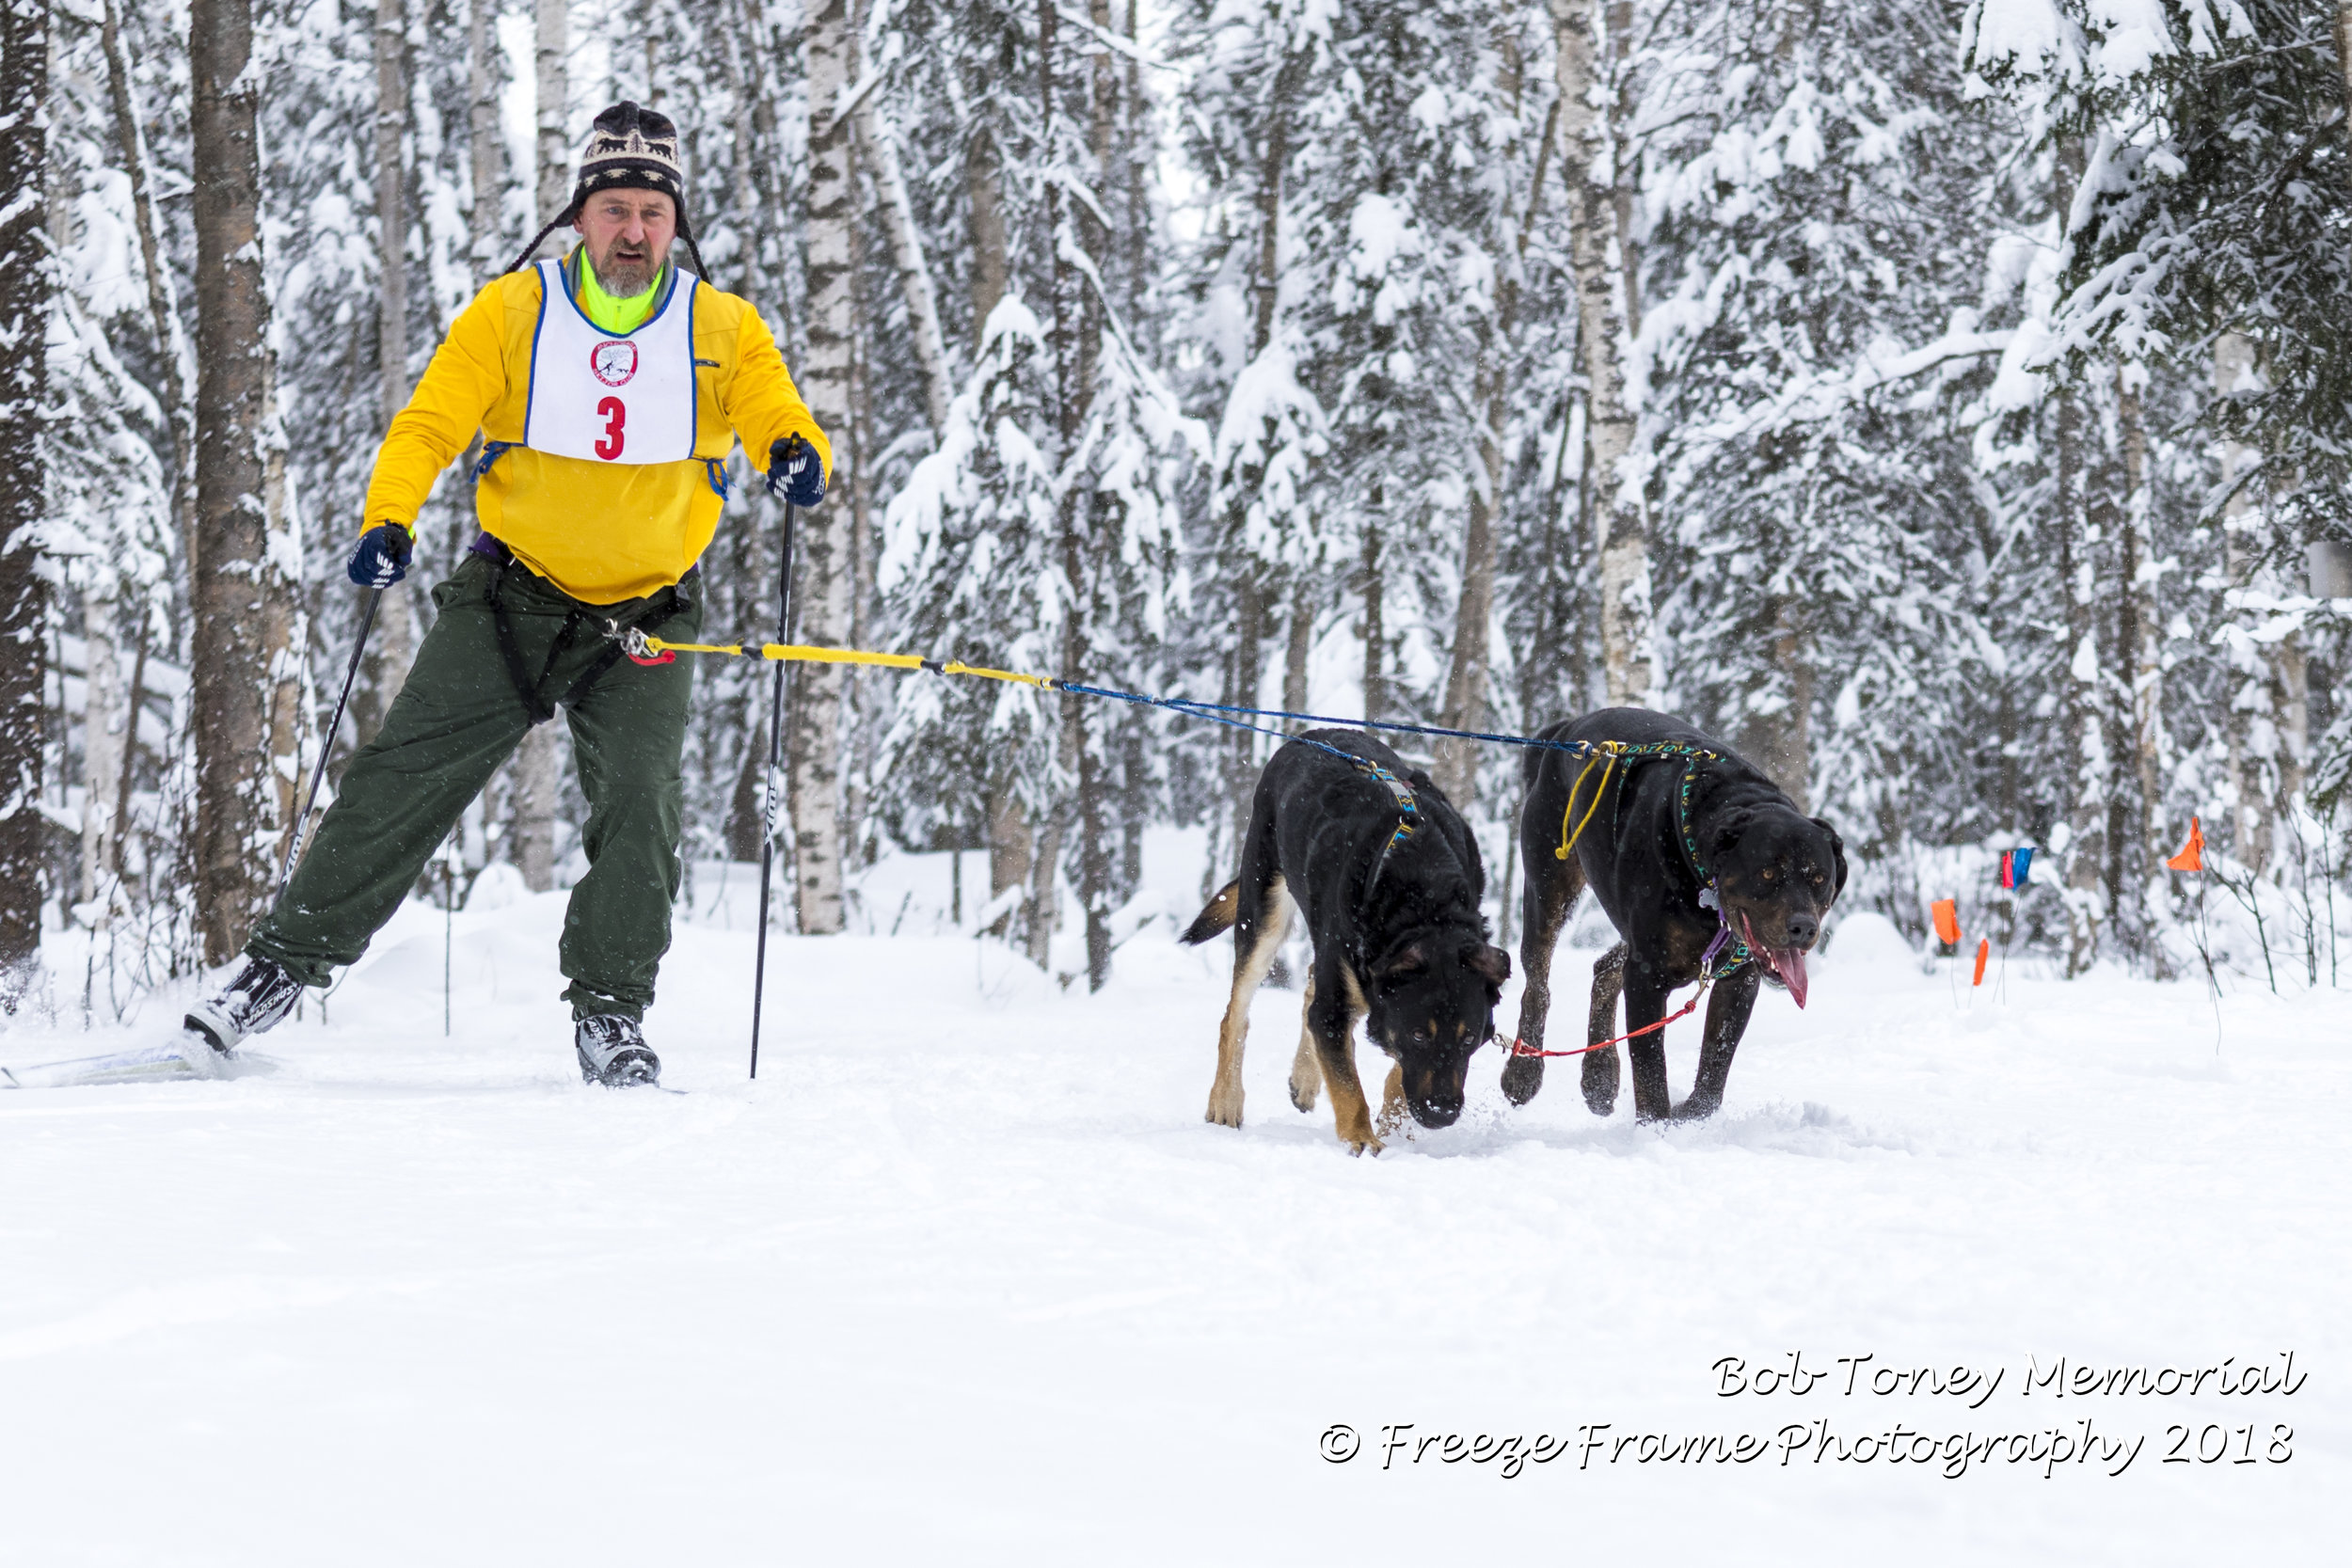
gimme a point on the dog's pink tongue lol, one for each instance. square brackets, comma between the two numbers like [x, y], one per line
[1789, 962]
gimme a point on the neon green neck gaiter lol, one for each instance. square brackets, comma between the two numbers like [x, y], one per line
[611, 312]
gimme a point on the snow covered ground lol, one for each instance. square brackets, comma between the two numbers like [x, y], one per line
[964, 1277]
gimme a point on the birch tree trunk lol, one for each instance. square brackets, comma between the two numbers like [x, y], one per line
[2343, 56]
[859, 718]
[550, 57]
[1010, 851]
[1455, 770]
[879, 150]
[1045, 871]
[487, 141]
[535, 773]
[2079, 707]
[538, 775]
[102, 716]
[392, 208]
[1304, 600]
[2078, 680]
[827, 571]
[2234, 361]
[1079, 315]
[1375, 630]
[123, 779]
[1602, 257]
[1012, 841]
[242, 615]
[392, 647]
[2139, 653]
[992, 263]
[24, 283]
[1781, 741]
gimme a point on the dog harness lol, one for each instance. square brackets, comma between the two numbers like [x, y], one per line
[1408, 814]
[1606, 755]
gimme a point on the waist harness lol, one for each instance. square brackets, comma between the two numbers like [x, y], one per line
[537, 703]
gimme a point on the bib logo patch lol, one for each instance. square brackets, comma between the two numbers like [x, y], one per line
[613, 361]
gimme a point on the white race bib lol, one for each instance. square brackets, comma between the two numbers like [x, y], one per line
[607, 397]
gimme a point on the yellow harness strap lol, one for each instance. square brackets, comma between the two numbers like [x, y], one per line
[952, 668]
[658, 645]
[1607, 762]
[805, 654]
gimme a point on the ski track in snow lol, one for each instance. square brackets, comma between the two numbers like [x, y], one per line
[965, 1275]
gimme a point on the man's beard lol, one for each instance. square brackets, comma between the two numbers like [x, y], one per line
[623, 279]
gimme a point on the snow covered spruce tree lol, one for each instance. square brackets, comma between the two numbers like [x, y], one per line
[1359, 286]
[1273, 550]
[2218, 183]
[1045, 525]
[1816, 212]
[2201, 161]
[109, 456]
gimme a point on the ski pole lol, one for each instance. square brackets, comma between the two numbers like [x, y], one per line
[326, 742]
[775, 765]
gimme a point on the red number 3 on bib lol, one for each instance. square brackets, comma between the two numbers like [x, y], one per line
[616, 415]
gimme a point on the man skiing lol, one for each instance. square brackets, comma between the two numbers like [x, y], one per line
[609, 388]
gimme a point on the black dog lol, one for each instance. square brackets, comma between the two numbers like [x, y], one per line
[1769, 869]
[1389, 878]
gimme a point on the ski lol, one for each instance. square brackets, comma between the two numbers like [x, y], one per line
[146, 1064]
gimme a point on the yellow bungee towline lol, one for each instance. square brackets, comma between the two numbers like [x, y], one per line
[642, 649]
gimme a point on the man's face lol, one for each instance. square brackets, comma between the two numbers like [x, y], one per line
[627, 234]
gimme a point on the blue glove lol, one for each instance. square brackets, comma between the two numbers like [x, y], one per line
[795, 472]
[382, 557]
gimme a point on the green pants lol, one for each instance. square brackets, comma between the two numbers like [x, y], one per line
[458, 717]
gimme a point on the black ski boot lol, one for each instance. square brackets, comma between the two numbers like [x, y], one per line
[613, 1052]
[256, 1001]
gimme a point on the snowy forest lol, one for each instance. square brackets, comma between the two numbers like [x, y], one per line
[1948, 404]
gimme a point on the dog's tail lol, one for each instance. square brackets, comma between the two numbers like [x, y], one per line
[1216, 917]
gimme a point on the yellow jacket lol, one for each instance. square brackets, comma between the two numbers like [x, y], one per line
[601, 533]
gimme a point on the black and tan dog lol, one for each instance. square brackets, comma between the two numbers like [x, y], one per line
[1738, 857]
[1389, 880]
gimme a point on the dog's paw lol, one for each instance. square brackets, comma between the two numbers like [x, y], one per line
[1600, 1081]
[1696, 1108]
[1357, 1134]
[1224, 1106]
[1303, 1096]
[1522, 1077]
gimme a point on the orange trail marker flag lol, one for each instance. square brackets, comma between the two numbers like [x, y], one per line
[1946, 913]
[1984, 947]
[2192, 855]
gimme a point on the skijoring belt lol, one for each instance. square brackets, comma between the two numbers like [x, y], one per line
[537, 703]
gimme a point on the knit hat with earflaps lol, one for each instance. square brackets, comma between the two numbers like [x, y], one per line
[630, 147]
